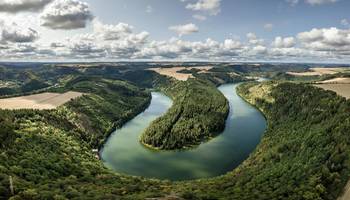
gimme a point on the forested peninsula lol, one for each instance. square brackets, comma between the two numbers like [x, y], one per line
[198, 113]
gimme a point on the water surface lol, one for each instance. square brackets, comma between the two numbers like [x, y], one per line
[244, 128]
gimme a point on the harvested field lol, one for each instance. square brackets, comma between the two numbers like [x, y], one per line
[173, 72]
[340, 89]
[337, 80]
[319, 71]
[43, 101]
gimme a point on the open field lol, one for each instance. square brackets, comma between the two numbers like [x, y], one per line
[173, 72]
[337, 80]
[43, 101]
[319, 71]
[341, 89]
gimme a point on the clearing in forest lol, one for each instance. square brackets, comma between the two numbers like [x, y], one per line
[337, 80]
[319, 71]
[342, 89]
[174, 72]
[43, 101]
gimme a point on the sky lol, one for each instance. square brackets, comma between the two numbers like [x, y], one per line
[179, 30]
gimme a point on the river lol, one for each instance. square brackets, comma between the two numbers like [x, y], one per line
[244, 128]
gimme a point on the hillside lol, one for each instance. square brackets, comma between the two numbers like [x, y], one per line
[48, 154]
[304, 153]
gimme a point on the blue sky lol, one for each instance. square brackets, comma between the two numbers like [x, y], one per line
[217, 30]
[237, 17]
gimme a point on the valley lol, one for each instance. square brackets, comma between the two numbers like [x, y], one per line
[52, 153]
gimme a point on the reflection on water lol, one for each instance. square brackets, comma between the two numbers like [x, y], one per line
[244, 128]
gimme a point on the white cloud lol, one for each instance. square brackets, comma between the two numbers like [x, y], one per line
[66, 14]
[184, 29]
[111, 32]
[14, 6]
[200, 17]
[179, 49]
[333, 40]
[254, 40]
[268, 26]
[120, 41]
[12, 32]
[259, 49]
[210, 6]
[231, 44]
[287, 42]
[106, 40]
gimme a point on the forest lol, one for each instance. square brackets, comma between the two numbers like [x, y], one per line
[198, 113]
[107, 106]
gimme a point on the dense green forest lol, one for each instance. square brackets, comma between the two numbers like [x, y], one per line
[107, 105]
[198, 113]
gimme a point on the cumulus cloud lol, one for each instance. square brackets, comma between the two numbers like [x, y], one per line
[287, 42]
[212, 7]
[180, 49]
[14, 6]
[111, 32]
[107, 40]
[66, 14]
[259, 49]
[328, 39]
[16, 34]
[185, 29]
[254, 40]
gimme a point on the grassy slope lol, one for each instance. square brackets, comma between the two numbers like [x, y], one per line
[110, 104]
[198, 113]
